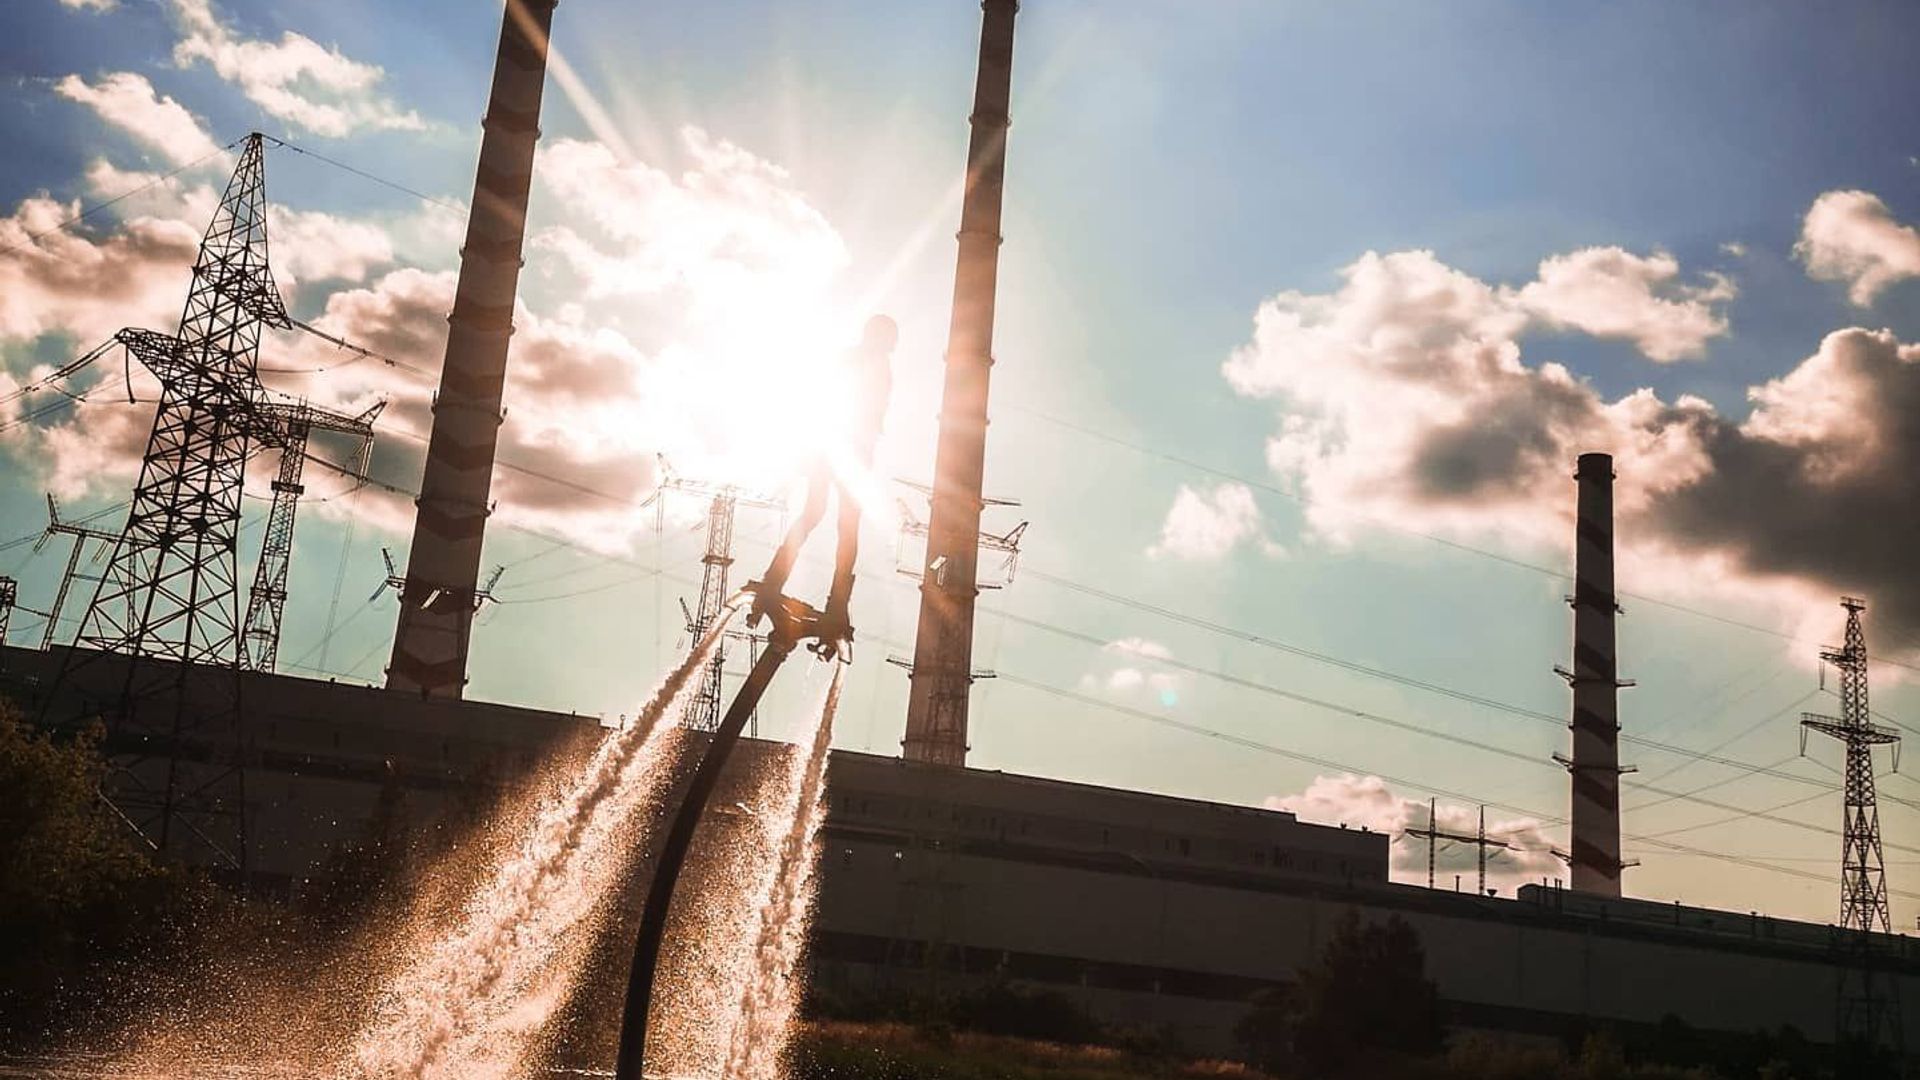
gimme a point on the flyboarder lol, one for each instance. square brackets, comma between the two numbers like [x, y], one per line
[870, 382]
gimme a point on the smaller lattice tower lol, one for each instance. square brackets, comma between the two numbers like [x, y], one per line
[1868, 1011]
[706, 704]
[267, 600]
[1433, 834]
[9, 592]
[1863, 873]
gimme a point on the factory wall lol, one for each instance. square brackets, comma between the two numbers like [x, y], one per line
[1153, 911]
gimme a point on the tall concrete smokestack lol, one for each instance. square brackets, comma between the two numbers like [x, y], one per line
[943, 647]
[1595, 765]
[443, 570]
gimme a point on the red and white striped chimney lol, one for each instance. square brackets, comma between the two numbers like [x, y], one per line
[1595, 764]
[443, 570]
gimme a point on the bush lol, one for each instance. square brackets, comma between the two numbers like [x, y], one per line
[1368, 992]
[86, 915]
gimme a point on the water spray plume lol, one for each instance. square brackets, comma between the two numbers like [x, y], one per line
[772, 994]
[470, 1006]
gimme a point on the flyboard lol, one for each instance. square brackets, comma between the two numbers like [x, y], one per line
[828, 637]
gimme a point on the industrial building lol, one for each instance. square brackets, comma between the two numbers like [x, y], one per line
[1165, 913]
[1160, 912]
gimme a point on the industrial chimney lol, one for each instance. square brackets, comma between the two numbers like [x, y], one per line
[942, 673]
[443, 570]
[1595, 765]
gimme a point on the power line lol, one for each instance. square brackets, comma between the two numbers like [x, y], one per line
[1083, 429]
[1415, 785]
[1379, 673]
[34, 238]
[1296, 497]
[365, 175]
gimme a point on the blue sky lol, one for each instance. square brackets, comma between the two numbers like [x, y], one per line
[1170, 170]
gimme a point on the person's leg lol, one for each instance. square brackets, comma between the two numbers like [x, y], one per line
[845, 554]
[819, 483]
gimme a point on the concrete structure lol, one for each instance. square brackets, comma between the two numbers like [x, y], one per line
[1595, 764]
[942, 673]
[1149, 910]
[441, 591]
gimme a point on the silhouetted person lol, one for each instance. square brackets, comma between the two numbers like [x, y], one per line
[870, 383]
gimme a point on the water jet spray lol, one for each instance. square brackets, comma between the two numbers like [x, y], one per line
[792, 622]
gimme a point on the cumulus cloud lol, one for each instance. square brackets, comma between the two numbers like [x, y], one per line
[1609, 292]
[295, 79]
[730, 220]
[91, 5]
[1407, 400]
[596, 388]
[1369, 802]
[1204, 525]
[129, 102]
[1852, 237]
[1131, 669]
[54, 280]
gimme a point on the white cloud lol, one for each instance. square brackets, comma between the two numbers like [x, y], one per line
[731, 220]
[64, 281]
[1369, 802]
[1135, 671]
[91, 5]
[1733, 249]
[1203, 525]
[1852, 237]
[295, 79]
[1609, 292]
[128, 101]
[1405, 400]
[595, 389]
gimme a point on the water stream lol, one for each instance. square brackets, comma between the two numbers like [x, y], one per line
[468, 989]
[468, 1003]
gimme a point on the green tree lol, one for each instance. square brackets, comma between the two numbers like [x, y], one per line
[85, 913]
[1368, 991]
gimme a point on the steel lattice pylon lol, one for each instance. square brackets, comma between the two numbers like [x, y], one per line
[267, 599]
[9, 592]
[164, 625]
[1868, 1008]
[170, 590]
[1863, 874]
[706, 704]
[704, 707]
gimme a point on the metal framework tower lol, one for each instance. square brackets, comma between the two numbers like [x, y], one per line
[705, 706]
[441, 594]
[1433, 834]
[81, 534]
[1595, 764]
[168, 602]
[267, 600]
[1869, 997]
[1863, 874]
[170, 589]
[942, 671]
[9, 594]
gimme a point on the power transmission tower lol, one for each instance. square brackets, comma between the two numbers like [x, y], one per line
[1433, 834]
[1868, 1006]
[81, 534]
[937, 741]
[168, 604]
[267, 600]
[704, 708]
[9, 593]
